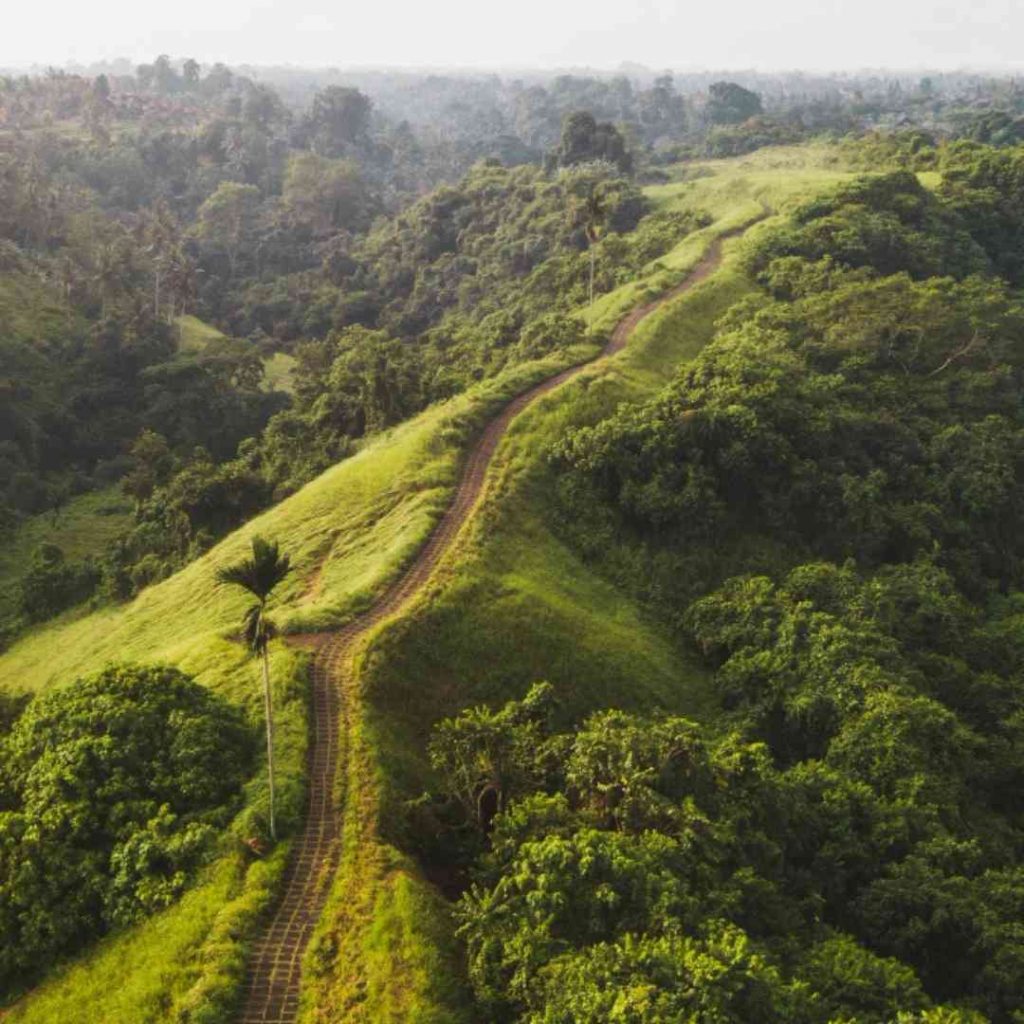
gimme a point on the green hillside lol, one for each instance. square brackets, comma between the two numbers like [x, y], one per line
[516, 604]
[348, 533]
[536, 548]
[513, 602]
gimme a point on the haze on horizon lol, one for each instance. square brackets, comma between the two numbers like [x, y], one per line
[786, 34]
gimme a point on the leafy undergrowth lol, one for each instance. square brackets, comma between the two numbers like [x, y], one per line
[512, 605]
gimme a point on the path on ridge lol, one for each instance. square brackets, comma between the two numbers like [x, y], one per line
[274, 974]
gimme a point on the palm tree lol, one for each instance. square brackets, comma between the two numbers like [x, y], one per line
[259, 575]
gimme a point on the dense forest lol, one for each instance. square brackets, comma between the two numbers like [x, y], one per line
[389, 260]
[824, 505]
[127, 205]
[217, 284]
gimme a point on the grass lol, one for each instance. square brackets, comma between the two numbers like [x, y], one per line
[279, 370]
[194, 335]
[161, 970]
[348, 533]
[515, 604]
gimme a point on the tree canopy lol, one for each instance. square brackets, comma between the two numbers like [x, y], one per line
[112, 793]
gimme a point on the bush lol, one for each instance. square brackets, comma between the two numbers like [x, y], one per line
[112, 791]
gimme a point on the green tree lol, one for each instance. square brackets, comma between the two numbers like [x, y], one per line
[259, 576]
[340, 118]
[227, 220]
[729, 103]
[584, 141]
[324, 195]
[112, 790]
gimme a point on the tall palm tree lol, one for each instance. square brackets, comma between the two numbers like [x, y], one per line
[259, 575]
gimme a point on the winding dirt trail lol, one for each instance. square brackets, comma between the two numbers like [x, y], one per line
[274, 974]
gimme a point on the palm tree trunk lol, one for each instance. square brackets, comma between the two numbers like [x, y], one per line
[269, 712]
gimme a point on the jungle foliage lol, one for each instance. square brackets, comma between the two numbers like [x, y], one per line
[822, 505]
[113, 791]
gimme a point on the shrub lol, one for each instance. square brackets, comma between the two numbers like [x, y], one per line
[112, 791]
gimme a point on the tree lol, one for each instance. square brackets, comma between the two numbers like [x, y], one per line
[729, 103]
[54, 584]
[340, 117]
[324, 195]
[227, 219]
[112, 793]
[487, 757]
[152, 465]
[165, 79]
[190, 73]
[594, 214]
[584, 141]
[259, 576]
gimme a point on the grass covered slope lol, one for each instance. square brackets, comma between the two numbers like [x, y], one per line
[350, 530]
[349, 533]
[381, 503]
[515, 605]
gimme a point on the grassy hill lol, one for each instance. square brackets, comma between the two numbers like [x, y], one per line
[514, 604]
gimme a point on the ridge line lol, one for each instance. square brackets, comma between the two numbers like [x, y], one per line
[273, 976]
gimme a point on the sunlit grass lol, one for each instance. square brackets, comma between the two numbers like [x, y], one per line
[195, 334]
[279, 370]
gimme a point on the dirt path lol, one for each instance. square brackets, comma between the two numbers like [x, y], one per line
[274, 976]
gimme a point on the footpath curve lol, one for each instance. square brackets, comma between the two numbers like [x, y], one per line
[274, 971]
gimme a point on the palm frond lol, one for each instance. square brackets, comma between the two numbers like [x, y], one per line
[261, 573]
[242, 574]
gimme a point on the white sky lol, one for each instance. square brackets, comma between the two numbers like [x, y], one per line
[680, 34]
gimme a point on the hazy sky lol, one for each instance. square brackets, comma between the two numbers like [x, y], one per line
[768, 34]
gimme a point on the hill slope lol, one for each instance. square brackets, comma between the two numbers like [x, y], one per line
[349, 533]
